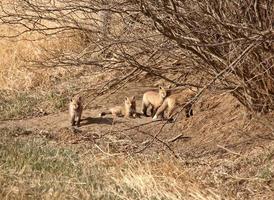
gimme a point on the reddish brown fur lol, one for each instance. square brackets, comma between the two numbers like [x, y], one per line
[153, 99]
[127, 110]
[178, 99]
[75, 110]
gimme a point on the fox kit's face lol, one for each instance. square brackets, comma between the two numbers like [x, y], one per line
[162, 92]
[129, 102]
[76, 102]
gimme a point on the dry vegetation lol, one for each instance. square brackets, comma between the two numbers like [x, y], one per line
[106, 50]
[36, 168]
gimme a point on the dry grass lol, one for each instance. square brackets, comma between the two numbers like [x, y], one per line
[51, 97]
[15, 105]
[37, 168]
[33, 166]
[17, 71]
[28, 90]
[13, 69]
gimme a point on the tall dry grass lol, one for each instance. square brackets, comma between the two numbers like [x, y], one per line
[18, 67]
[27, 87]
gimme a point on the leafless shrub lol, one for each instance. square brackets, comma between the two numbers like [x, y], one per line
[229, 42]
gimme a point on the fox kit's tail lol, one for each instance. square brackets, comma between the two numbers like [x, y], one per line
[104, 113]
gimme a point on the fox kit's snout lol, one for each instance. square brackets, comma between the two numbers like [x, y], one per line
[75, 110]
[153, 99]
[127, 110]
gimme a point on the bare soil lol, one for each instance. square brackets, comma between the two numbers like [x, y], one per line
[220, 123]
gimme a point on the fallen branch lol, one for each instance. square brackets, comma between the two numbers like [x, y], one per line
[228, 150]
[181, 136]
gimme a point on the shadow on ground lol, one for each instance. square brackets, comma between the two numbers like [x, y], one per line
[97, 120]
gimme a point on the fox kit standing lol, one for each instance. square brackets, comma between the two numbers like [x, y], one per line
[178, 99]
[75, 110]
[127, 110]
[153, 99]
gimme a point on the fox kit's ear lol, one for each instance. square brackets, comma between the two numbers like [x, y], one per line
[133, 98]
[126, 99]
[161, 88]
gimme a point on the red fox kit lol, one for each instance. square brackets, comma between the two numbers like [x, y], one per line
[153, 99]
[175, 100]
[75, 110]
[127, 110]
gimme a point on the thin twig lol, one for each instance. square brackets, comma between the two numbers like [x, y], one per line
[180, 136]
[228, 150]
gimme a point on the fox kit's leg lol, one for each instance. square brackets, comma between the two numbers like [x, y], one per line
[162, 114]
[171, 108]
[160, 110]
[154, 110]
[133, 114]
[78, 121]
[79, 118]
[72, 120]
[144, 108]
[127, 115]
[130, 114]
[170, 111]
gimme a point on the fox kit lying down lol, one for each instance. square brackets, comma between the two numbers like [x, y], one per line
[127, 110]
[153, 99]
[75, 109]
[176, 100]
